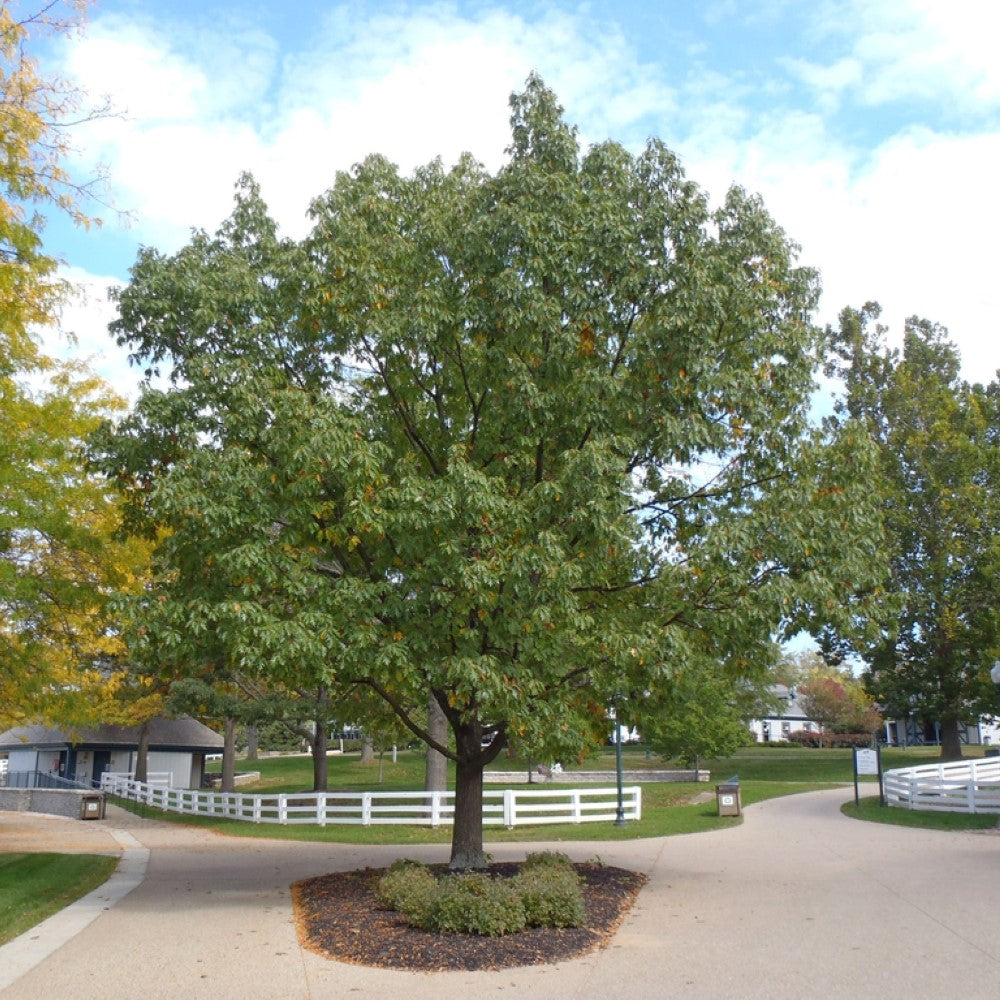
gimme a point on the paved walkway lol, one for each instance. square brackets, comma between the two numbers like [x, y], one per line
[796, 902]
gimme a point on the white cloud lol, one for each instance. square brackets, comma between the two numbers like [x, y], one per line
[82, 331]
[161, 85]
[411, 86]
[944, 53]
[910, 225]
[907, 223]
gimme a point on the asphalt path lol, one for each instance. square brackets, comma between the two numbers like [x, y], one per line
[796, 902]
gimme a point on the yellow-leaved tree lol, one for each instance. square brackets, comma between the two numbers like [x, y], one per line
[61, 560]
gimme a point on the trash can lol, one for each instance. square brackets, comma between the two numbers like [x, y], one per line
[92, 806]
[727, 796]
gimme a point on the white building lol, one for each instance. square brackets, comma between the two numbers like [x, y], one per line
[177, 751]
[787, 718]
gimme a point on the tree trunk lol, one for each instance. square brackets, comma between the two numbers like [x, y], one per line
[467, 832]
[436, 774]
[253, 740]
[367, 750]
[319, 747]
[228, 783]
[142, 754]
[951, 743]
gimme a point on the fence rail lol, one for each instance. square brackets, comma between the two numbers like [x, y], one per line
[970, 786]
[507, 807]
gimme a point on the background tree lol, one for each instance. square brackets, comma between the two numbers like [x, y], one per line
[34, 142]
[839, 704]
[59, 559]
[516, 440]
[701, 713]
[937, 481]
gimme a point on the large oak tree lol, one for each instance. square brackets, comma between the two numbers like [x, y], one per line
[520, 440]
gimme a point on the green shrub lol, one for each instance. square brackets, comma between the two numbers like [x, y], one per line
[547, 859]
[551, 896]
[410, 888]
[477, 904]
[808, 738]
[546, 893]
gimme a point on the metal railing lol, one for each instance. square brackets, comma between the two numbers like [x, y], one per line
[39, 779]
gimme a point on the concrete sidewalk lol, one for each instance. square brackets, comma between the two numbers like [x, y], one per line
[798, 901]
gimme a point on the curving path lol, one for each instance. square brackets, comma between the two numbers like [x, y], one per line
[796, 902]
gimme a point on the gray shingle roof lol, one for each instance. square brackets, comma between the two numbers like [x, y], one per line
[164, 734]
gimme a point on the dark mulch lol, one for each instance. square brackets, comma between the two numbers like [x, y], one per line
[337, 916]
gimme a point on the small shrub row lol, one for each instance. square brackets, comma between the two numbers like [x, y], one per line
[545, 893]
[807, 738]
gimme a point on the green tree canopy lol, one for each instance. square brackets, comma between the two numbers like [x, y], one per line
[521, 440]
[937, 482]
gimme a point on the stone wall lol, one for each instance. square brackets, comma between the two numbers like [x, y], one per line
[54, 801]
[543, 774]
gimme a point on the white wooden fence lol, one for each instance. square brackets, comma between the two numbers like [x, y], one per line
[508, 807]
[971, 786]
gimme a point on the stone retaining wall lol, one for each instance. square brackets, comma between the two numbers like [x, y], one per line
[53, 801]
[592, 777]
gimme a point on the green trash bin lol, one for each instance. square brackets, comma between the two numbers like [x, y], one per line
[727, 796]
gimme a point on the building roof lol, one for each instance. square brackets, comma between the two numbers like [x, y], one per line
[791, 708]
[164, 734]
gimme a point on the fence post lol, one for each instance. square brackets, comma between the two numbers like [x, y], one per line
[366, 809]
[283, 809]
[577, 815]
[321, 808]
[509, 808]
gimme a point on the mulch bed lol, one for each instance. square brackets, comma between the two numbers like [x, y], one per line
[337, 916]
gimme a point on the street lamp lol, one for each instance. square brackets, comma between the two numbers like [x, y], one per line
[620, 813]
[995, 677]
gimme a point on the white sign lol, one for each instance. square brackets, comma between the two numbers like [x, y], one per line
[866, 761]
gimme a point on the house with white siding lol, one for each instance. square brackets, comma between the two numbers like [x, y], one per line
[786, 718]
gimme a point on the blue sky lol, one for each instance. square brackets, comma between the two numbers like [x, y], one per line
[870, 127]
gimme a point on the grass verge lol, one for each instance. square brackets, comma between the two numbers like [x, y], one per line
[869, 809]
[34, 886]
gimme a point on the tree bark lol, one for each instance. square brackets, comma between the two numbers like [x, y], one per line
[319, 747]
[951, 743]
[467, 832]
[367, 750]
[142, 754]
[436, 773]
[253, 740]
[228, 783]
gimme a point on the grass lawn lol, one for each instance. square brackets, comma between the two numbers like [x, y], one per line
[668, 808]
[34, 886]
[868, 808]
